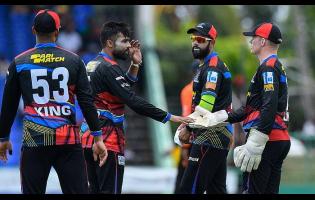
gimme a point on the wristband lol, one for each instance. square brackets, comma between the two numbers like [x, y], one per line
[96, 133]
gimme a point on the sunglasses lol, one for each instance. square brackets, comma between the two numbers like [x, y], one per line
[199, 39]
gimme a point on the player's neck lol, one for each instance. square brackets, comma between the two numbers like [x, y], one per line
[265, 54]
[108, 52]
[40, 40]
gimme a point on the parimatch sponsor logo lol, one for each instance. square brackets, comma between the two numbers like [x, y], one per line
[46, 58]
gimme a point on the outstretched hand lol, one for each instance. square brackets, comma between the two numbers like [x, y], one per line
[184, 120]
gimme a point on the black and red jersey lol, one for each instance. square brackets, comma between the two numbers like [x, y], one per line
[48, 78]
[212, 85]
[267, 100]
[112, 91]
[212, 90]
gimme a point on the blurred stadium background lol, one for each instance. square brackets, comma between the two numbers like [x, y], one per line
[151, 163]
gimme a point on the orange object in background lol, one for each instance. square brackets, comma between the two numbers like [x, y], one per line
[186, 95]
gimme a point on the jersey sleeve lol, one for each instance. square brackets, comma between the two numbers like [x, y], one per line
[121, 88]
[10, 102]
[131, 79]
[211, 80]
[237, 115]
[85, 99]
[269, 80]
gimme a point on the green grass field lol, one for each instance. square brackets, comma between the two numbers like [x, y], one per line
[298, 175]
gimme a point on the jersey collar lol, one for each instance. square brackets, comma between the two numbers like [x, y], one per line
[213, 54]
[266, 59]
[105, 55]
[107, 58]
[42, 45]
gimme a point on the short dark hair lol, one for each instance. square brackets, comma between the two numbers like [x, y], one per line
[111, 29]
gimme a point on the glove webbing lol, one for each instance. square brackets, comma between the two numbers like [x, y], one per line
[215, 137]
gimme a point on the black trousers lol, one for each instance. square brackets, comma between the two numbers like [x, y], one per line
[266, 179]
[180, 173]
[67, 160]
[206, 171]
[107, 179]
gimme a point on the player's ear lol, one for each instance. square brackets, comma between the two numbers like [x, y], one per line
[33, 30]
[109, 43]
[263, 42]
[56, 33]
[212, 42]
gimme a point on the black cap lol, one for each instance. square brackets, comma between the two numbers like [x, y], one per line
[205, 29]
[268, 31]
[46, 21]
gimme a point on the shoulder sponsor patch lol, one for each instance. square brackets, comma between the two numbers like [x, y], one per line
[268, 77]
[268, 87]
[121, 160]
[268, 81]
[212, 79]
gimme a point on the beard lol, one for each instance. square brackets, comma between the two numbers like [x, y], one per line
[119, 54]
[199, 53]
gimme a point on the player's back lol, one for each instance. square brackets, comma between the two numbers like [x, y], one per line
[47, 75]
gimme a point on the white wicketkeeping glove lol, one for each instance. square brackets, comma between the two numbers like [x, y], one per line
[196, 115]
[199, 112]
[248, 156]
[208, 119]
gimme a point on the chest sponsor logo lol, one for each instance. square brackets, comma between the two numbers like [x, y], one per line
[196, 77]
[121, 78]
[193, 159]
[125, 85]
[46, 58]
